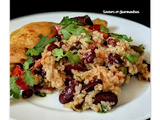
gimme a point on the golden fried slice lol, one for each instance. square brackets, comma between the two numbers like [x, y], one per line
[100, 22]
[26, 38]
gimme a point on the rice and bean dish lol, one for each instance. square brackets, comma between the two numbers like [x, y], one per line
[79, 58]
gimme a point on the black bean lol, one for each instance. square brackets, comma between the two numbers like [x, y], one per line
[43, 73]
[40, 94]
[105, 43]
[27, 93]
[37, 57]
[51, 47]
[88, 21]
[21, 65]
[85, 20]
[31, 65]
[58, 37]
[38, 71]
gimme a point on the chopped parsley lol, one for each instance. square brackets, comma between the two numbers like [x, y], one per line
[132, 58]
[67, 21]
[139, 49]
[28, 78]
[72, 29]
[88, 38]
[66, 34]
[121, 37]
[123, 69]
[14, 89]
[79, 47]
[72, 57]
[104, 29]
[38, 48]
[58, 53]
[28, 61]
[104, 109]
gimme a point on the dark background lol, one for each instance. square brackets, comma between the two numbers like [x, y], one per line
[21, 7]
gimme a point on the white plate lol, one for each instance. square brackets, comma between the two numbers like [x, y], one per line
[134, 103]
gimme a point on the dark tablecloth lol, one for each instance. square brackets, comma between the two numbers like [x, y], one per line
[21, 8]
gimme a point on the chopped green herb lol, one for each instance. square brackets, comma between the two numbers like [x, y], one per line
[34, 51]
[44, 41]
[14, 89]
[104, 29]
[38, 48]
[51, 26]
[122, 37]
[123, 69]
[13, 79]
[67, 21]
[66, 34]
[72, 29]
[132, 58]
[58, 53]
[88, 38]
[139, 48]
[40, 35]
[79, 47]
[28, 61]
[104, 109]
[79, 30]
[90, 41]
[123, 56]
[72, 57]
[28, 78]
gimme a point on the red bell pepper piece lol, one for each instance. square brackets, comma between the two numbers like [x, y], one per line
[17, 72]
[57, 28]
[50, 36]
[97, 27]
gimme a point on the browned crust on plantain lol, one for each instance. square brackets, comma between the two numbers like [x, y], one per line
[26, 38]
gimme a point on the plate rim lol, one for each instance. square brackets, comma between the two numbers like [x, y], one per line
[60, 12]
[64, 12]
